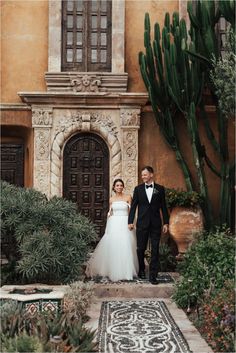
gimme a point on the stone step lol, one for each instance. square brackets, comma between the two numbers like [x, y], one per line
[137, 288]
[125, 290]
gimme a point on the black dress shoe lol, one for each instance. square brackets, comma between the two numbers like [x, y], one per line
[153, 280]
[141, 275]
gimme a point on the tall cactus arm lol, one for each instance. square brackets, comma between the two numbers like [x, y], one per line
[223, 138]
[211, 165]
[194, 20]
[208, 129]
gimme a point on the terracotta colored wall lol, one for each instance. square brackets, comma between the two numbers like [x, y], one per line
[134, 29]
[24, 43]
[154, 151]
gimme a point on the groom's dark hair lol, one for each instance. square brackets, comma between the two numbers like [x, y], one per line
[148, 168]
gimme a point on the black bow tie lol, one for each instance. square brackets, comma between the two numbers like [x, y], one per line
[149, 186]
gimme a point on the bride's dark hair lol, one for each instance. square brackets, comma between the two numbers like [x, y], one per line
[116, 181]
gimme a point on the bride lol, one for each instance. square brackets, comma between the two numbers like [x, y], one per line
[115, 255]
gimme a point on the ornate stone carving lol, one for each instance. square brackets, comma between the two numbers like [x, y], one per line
[42, 117]
[95, 120]
[86, 83]
[130, 117]
[41, 177]
[84, 121]
[41, 145]
[130, 145]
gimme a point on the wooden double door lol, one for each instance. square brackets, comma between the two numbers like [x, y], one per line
[86, 177]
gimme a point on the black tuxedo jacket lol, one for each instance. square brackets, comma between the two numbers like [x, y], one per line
[149, 213]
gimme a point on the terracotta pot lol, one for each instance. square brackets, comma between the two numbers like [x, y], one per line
[184, 223]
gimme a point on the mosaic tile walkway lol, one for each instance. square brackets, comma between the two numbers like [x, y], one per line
[139, 327]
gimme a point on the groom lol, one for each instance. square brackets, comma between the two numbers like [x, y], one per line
[149, 197]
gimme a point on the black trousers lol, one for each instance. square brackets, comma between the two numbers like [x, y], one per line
[142, 239]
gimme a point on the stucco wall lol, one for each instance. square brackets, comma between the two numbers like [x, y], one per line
[154, 151]
[24, 41]
[134, 29]
[24, 44]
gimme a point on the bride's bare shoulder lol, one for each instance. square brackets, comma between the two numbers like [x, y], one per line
[127, 198]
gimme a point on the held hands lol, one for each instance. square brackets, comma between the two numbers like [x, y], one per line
[131, 226]
[165, 228]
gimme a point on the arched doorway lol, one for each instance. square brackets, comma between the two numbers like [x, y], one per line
[86, 176]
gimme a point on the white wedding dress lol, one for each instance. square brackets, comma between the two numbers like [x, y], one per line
[115, 255]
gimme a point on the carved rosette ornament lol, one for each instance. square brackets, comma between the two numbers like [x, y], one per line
[83, 121]
[130, 123]
[42, 123]
[86, 83]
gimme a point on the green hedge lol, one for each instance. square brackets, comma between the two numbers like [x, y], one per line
[205, 268]
[50, 239]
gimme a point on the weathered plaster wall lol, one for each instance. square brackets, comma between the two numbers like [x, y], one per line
[24, 44]
[134, 29]
[154, 151]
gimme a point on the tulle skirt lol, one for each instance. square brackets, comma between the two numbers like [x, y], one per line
[115, 255]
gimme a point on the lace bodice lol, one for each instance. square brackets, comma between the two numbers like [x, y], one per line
[120, 208]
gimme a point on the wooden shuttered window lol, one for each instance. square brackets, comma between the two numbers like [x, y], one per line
[86, 39]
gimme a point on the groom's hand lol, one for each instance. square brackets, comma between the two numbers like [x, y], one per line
[130, 226]
[165, 228]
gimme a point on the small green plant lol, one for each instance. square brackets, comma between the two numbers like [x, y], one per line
[77, 298]
[48, 240]
[44, 332]
[21, 343]
[217, 318]
[167, 261]
[177, 197]
[206, 266]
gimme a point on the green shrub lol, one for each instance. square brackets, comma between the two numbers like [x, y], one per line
[77, 298]
[21, 343]
[44, 332]
[167, 261]
[206, 266]
[177, 197]
[50, 239]
[217, 319]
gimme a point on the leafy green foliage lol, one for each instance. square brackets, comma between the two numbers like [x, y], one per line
[217, 319]
[50, 239]
[21, 343]
[21, 332]
[223, 77]
[206, 266]
[77, 298]
[167, 261]
[176, 197]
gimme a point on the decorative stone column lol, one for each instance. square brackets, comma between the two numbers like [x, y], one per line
[130, 124]
[42, 123]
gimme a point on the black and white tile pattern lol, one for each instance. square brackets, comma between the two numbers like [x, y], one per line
[139, 327]
[162, 278]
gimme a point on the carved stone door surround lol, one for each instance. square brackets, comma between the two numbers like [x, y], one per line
[54, 126]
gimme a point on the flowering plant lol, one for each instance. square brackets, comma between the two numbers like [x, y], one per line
[177, 197]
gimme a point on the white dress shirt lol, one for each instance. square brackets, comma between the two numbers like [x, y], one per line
[149, 191]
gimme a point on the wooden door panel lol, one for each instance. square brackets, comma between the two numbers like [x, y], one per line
[12, 163]
[86, 177]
